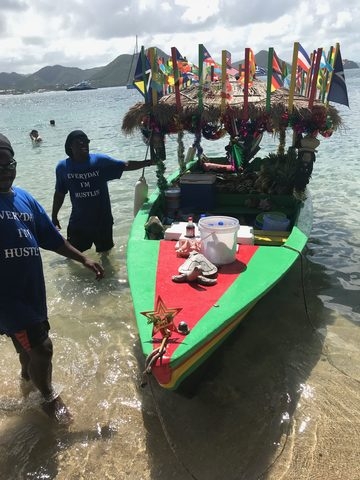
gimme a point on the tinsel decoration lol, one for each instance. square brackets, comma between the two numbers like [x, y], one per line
[181, 150]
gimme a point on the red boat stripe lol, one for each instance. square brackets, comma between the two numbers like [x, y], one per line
[195, 300]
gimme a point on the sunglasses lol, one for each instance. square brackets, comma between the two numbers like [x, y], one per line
[8, 166]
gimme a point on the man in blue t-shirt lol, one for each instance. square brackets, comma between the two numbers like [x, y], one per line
[24, 229]
[85, 175]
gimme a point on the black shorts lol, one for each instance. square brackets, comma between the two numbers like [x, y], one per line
[102, 238]
[30, 337]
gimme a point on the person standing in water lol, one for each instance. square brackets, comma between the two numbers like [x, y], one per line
[35, 137]
[24, 229]
[85, 175]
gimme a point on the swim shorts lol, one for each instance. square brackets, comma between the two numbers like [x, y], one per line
[31, 337]
[102, 239]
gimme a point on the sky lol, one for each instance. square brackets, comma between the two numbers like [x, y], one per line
[92, 33]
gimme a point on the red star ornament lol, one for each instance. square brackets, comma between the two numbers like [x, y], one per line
[162, 317]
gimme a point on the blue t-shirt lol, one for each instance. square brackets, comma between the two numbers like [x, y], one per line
[24, 227]
[87, 184]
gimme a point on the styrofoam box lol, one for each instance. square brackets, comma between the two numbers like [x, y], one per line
[177, 229]
[245, 235]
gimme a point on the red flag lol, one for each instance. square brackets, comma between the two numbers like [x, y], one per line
[208, 58]
[303, 60]
[229, 68]
[276, 79]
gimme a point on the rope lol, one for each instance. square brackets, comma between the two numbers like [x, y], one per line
[167, 436]
[147, 151]
[149, 362]
[322, 343]
[153, 357]
[320, 338]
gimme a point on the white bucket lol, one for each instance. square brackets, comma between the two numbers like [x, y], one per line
[218, 238]
[275, 222]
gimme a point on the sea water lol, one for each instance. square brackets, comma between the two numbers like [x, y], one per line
[280, 399]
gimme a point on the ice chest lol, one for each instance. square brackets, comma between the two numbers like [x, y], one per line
[197, 192]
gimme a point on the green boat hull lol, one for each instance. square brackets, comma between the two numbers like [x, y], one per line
[268, 263]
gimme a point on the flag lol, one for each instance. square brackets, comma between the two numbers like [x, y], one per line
[337, 90]
[303, 60]
[241, 74]
[207, 58]
[252, 66]
[324, 63]
[324, 70]
[276, 79]
[229, 68]
[178, 55]
[142, 75]
[261, 71]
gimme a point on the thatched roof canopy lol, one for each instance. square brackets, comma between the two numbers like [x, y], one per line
[170, 119]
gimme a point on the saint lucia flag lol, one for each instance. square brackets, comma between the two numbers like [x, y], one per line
[142, 76]
[337, 90]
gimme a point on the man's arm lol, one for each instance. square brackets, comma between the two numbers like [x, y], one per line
[67, 250]
[58, 200]
[132, 165]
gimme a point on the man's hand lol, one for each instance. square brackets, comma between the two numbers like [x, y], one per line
[67, 250]
[96, 267]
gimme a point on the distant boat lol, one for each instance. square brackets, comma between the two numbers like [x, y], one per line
[129, 83]
[84, 85]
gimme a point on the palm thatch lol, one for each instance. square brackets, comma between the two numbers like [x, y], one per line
[208, 106]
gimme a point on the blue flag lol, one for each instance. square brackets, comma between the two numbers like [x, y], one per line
[337, 90]
[142, 76]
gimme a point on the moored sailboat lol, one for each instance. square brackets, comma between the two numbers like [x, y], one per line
[129, 83]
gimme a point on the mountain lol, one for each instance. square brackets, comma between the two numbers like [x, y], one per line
[261, 60]
[57, 77]
[116, 73]
[349, 64]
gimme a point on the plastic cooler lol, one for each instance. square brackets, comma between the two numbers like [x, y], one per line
[197, 192]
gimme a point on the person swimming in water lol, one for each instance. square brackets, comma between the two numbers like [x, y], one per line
[35, 137]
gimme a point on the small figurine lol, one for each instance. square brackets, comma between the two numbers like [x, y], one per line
[197, 268]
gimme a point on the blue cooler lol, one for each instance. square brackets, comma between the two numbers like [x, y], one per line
[197, 192]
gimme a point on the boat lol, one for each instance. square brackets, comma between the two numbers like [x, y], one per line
[83, 85]
[252, 215]
[129, 83]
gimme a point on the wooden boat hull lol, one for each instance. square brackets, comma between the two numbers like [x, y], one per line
[211, 313]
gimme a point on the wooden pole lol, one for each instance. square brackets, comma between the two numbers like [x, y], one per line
[246, 84]
[269, 78]
[293, 76]
[176, 79]
[223, 80]
[153, 65]
[201, 79]
[314, 78]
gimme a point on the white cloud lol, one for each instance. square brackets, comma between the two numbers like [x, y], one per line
[92, 33]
